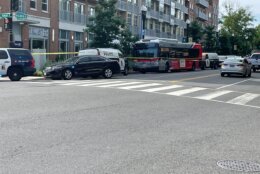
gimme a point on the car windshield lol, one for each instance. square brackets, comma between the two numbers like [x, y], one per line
[233, 60]
[71, 60]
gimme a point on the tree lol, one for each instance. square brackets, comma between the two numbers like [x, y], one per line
[195, 31]
[236, 23]
[105, 24]
[210, 39]
[256, 39]
[126, 41]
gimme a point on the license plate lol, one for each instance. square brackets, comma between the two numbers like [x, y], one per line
[232, 65]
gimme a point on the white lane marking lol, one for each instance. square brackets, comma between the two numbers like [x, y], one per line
[120, 84]
[99, 83]
[243, 99]
[232, 84]
[140, 86]
[162, 88]
[80, 82]
[213, 95]
[186, 91]
[255, 80]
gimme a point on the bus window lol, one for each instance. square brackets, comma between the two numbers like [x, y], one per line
[146, 52]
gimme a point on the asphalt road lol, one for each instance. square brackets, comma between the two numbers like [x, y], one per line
[156, 123]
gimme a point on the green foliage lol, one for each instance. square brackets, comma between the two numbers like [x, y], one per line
[257, 38]
[126, 41]
[196, 31]
[237, 30]
[210, 43]
[106, 24]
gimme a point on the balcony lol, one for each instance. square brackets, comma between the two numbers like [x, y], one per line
[153, 14]
[66, 16]
[202, 16]
[129, 7]
[156, 33]
[134, 29]
[80, 19]
[203, 3]
[181, 7]
[168, 2]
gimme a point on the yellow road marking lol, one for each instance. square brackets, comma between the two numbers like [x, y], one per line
[54, 53]
[194, 78]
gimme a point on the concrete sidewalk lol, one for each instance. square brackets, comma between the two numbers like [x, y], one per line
[24, 78]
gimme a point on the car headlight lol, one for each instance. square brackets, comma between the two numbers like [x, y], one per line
[56, 67]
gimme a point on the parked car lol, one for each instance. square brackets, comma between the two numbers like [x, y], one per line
[211, 60]
[83, 66]
[236, 65]
[16, 63]
[255, 61]
[110, 53]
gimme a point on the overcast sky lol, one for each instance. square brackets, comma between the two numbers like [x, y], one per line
[253, 5]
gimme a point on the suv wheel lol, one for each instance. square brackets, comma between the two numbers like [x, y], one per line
[15, 74]
[67, 74]
[108, 73]
[125, 71]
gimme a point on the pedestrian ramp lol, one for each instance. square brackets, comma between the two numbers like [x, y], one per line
[201, 93]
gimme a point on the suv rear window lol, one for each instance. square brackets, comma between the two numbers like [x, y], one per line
[255, 56]
[20, 54]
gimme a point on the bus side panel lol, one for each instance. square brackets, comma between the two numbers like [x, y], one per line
[175, 64]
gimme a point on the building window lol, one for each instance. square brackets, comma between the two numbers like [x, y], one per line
[65, 5]
[33, 4]
[91, 11]
[78, 8]
[151, 25]
[64, 41]
[44, 5]
[129, 19]
[135, 20]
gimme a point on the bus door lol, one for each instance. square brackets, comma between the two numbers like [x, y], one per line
[164, 64]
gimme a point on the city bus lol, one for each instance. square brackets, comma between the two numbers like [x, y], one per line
[165, 55]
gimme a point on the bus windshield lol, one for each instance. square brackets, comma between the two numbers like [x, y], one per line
[145, 50]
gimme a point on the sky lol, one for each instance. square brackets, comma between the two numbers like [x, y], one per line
[252, 5]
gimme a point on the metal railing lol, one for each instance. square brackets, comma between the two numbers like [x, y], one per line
[202, 15]
[203, 3]
[66, 16]
[80, 19]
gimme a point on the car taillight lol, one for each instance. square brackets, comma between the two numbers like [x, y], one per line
[32, 63]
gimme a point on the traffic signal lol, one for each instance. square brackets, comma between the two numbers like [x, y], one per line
[14, 5]
[8, 22]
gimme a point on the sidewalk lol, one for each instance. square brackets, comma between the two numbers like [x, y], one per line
[28, 78]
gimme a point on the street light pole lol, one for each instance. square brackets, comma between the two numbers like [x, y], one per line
[188, 28]
[143, 15]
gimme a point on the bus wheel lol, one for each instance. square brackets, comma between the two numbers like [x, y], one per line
[167, 67]
[193, 67]
[142, 71]
[203, 66]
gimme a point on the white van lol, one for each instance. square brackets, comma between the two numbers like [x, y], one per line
[110, 53]
[211, 60]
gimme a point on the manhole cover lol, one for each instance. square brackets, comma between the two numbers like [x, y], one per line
[242, 166]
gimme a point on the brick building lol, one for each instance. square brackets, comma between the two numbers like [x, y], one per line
[58, 25]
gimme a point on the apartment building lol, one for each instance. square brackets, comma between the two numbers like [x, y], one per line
[51, 25]
[204, 11]
[58, 25]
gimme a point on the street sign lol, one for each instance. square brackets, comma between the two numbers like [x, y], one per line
[5, 15]
[20, 15]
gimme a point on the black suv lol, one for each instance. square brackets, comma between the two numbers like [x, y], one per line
[16, 63]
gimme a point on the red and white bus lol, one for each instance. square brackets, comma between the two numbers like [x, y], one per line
[166, 55]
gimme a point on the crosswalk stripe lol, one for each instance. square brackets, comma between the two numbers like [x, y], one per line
[243, 99]
[120, 84]
[186, 91]
[140, 86]
[213, 95]
[162, 88]
[99, 83]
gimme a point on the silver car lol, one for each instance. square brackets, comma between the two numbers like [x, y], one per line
[236, 65]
